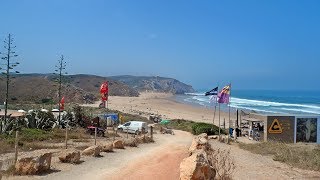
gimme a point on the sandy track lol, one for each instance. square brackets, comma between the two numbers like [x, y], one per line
[255, 166]
[147, 161]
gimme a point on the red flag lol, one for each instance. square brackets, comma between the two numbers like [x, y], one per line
[62, 104]
[104, 89]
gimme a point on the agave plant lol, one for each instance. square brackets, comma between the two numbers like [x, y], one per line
[40, 120]
[68, 120]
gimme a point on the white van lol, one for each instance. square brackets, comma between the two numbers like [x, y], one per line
[133, 127]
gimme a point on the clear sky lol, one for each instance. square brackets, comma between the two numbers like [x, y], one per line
[253, 44]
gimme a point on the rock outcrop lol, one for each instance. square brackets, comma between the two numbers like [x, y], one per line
[155, 84]
[70, 156]
[198, 165]
[199, 142]
[33, 165]
[92, 151]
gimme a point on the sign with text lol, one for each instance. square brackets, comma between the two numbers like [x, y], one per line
[281, 128]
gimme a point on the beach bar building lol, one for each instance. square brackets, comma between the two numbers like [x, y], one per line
[293, 129]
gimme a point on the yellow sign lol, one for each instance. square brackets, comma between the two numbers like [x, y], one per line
[275, 127]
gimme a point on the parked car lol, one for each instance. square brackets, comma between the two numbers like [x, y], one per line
[133, 127]
[91, 131]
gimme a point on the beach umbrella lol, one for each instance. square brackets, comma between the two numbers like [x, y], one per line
[165, 121]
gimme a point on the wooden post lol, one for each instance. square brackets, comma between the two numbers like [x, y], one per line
[127, 133]
[114, 133]
[95, 136]
[16, 146]
[66, 137]
[151, 131]
[144, 134]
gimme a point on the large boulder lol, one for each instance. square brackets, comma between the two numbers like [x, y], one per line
[33, 165]
[92, 151]
[197, 167]
[70, 156]
[130, 142]
[118, 144]
[107, 147]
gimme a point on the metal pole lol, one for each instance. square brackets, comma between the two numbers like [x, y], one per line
[229, 108]
[219, 122]
[214, 114]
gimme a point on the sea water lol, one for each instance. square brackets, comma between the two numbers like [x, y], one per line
[263, 101]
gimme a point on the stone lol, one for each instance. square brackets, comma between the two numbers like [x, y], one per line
[144, 139]
[196, 167]
[92, 151]
[131, 142]
[118, 144]
[70, 156]
[107, 147]
[33, 165]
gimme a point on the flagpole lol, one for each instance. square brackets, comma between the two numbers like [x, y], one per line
[215, 106]
[219, 121]
[229, 108]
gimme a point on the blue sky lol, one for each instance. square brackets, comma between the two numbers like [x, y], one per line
[252, 44]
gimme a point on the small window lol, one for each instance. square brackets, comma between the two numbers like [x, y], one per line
[127, 124]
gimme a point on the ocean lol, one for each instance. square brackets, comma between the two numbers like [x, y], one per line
[263, 101]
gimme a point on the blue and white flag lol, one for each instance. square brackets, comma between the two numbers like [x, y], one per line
[213, 92]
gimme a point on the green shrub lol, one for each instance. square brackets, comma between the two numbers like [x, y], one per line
[28, 134]
[47, 101]
[210, 129]
[195, 127]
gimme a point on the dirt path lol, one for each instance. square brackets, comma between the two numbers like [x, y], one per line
[255, 166]
[161, 159]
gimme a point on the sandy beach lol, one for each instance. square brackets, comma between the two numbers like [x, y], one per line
[164, 104]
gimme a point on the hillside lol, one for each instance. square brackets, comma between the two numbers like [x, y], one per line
[154, 83]
[82, 88]
[41, 88]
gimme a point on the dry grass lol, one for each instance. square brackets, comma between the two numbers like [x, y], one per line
[222, 162]
[81, 140]
[31, 139]
[9, 172]
[297, 155]
[6, 147]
